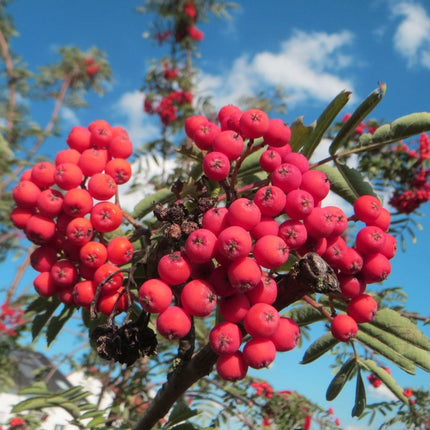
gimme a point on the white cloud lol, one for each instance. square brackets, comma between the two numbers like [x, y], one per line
[69, 116]
[308, 66]
[412, 36]
[381, 393]
[138, 125]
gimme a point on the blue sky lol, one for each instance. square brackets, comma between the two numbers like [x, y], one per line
[313, 49]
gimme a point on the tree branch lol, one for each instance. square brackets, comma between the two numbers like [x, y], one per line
[311, 274]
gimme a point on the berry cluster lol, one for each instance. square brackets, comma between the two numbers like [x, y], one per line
[240, 245]
[11, 317]
[417, 188]
[65, 209]
[91, 68]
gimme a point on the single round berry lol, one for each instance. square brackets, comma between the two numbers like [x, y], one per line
[216, 166]
[343, 327]
[287, 335]
[173, 323]
[225, 338]
[362, 308]
[261, 320]
[174, 268]
[198, 298]
[254, 123]
[270, 251]
[231, 367]
[259, 353]
[155, 296]
[367, 208]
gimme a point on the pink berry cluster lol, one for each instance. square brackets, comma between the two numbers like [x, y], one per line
[229, 261]
[64, 208]
[11, 317]
[417, 189]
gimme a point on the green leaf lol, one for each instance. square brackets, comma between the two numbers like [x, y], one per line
[304, 314]
[389, 320]
[39, 388]
[97, 421]
[386, 378]
[40, 320]
[401, 128]
[31, 404]
[146, 205]
[407, 349]
[348, 128]
[57, 322]
[360, 397]
[339, 381]
[346, 182]
[181, 412]
[299, 134]
[324, 122]
[386, 351]
[319, 347]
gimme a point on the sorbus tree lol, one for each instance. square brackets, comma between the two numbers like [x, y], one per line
[224, 270]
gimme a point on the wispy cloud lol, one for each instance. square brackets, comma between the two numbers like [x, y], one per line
[140, 127]
[309, 66]
[412, 36]
[69, 116]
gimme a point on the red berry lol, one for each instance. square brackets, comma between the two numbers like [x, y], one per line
[215, 220]
[216, 166]
[270, 200]
[106, 217]
[173, 268]
[229, 143]
[225, 338]
[319, 223]
[25, 194]
[198, 298]
[259, 353]
[67, 156]
[102, 186]
[270, 251]
[270, 160]
[173, 323]
[277, 134]
[68, 176]
[77, 202]
[43, 258]
[155, 296]
[293, 233]
[231, 367]
[298, 204]
[316, 183]
[200, 246]
[343, 328]
[254, 123]
[369, 240]
[93, 161]
[120, 147]
[298, 160]
[105, 274]
[265, 291]
[350, 285]
[367, 208]
[244, 213]
[79, 138]
[204, 135]
[120, 250]
[234, 307]
[362, 308]
[267, 225]
[93, 254]
[244, 274]
[42, 174]
[79, 231]
[50, 202]
[376, 268]
[261, 320]
[64, 274]
[119, 169]
[287, 335]
[83, 293]
[39, 229]
[44, 285]
[234, 242]
[218, 278]
[287, 177]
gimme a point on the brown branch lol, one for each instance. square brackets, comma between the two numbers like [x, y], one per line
[4, 47]
[20, 273]
[310, 274]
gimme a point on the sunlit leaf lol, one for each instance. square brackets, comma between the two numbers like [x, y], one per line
[389, 320]
[408, 350]
[324, 121]
[348, 128]
[386, 351]
[401, 128]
